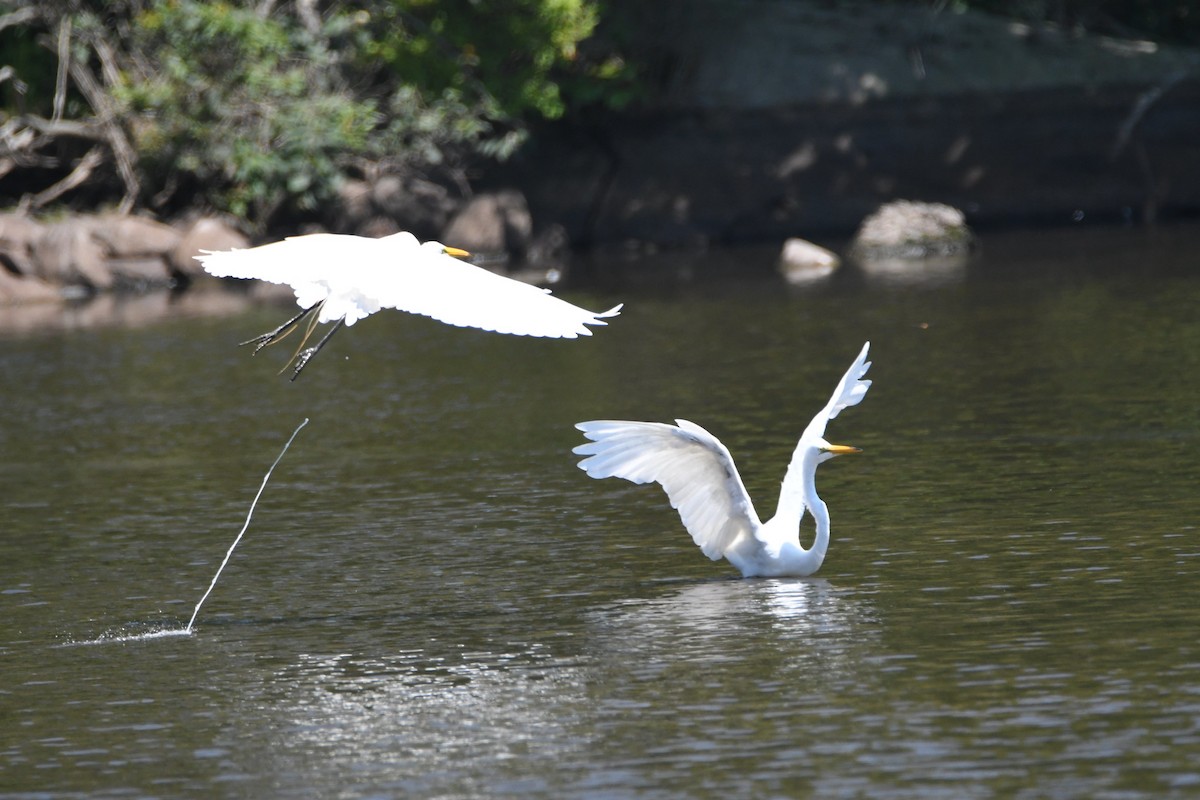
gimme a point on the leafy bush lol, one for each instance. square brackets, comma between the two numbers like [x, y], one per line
[258, 113]
[250, 108]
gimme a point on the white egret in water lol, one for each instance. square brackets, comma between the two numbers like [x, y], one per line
[703, 484]
[342, 279]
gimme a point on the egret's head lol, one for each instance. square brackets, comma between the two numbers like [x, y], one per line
[440, 249]
[826, 451]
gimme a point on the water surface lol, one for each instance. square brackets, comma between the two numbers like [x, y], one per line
[432, 601]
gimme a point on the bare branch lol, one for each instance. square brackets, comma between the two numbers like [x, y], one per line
[64, 67]
[64, 127]
[122, 150]
[83, 170]
[18, 143]
[108, 60]
[310, 17]
[22, 16]
[1140, 108]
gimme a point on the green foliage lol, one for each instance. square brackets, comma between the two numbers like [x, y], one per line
[248, 107]
[511, 47]
[257, 107]
[267, 113]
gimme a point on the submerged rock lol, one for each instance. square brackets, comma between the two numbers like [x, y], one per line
[909, 230]
[20, 289]
[801, 261]
[82, 255]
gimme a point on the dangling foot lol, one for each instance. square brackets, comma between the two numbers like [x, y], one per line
[271, 337]
[303, 357]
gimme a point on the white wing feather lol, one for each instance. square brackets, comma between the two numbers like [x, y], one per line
[849, 392]
[356, 276]
[317, 267]
[297, 259]
[457, 293]
[690, 463]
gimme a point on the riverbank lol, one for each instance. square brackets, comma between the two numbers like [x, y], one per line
[778, 119]
[765, 121]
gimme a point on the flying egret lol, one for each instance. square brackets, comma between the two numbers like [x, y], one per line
[703, 484]
[343, 279]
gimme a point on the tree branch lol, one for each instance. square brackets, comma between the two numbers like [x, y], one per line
[64, 67]
[22, 16]
[63, 127]
[122, 150]
[1140, 108]
[83, 170]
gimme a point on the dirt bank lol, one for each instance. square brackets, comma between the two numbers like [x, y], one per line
[775, 118]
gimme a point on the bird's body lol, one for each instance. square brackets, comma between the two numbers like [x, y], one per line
[703, 484]
[343, 279]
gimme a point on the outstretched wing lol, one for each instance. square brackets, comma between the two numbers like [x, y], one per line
[437, 285]
[317, 267]
[293, 261]
[849, 392]
[360, 275]
[690, 463]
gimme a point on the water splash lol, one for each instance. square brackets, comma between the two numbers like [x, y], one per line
[117, 637]
[229, 552]
[110, 637]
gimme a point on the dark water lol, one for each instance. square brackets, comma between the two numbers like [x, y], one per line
[431, 601]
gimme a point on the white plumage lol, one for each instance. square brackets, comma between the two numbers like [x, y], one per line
[703, 484]
[347, 278]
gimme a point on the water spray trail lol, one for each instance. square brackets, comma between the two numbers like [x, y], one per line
[229, 552]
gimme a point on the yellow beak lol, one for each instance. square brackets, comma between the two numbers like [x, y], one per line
[841, 449]
[456, 252]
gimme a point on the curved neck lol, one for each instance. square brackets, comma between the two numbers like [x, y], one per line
[799, 494]
[820, 513]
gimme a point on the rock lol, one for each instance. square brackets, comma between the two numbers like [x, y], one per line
[416, 205]
[492, 225]
[353, 205]
[205, 233]
[801, 261]
[98, 253]
[136, 250]
[68, 255]
[19, 289]
[377, 227]
[909, 230]
[18, 234]
[126, 236]
[140, 273]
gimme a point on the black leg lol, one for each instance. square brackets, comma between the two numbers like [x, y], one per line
[270, 337]
[303, 356]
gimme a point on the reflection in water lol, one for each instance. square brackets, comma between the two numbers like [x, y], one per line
[447, 719]
[466, 723]
[724, 683]
[816, 631]
[926, 273]
[126, 310]
[806, 609]
[435, 602]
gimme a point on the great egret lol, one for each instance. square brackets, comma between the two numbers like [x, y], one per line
[703, 484]
[343, 279]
